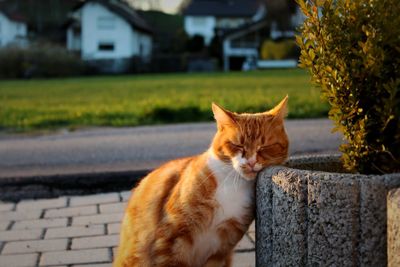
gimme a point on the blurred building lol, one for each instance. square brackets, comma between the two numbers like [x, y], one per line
[206, 17]
[243, 44]
[109, 33]
[13, 29]
[245, 29]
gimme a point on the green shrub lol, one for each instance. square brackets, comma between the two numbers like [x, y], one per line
[352, 49]
[276, 50]
[39, 61]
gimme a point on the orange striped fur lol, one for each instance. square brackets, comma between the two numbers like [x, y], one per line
[193, 211]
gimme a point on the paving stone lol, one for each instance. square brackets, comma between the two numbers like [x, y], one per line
[42, 204]
[68, 212]
[4, 225]
[94, 199]
[20, 215]
[244, 259]
[95, 242]
[97, 219]
[252, 232]
[113, 228]
[99, 255]
[6, 206]
[244, 244]
[41, 223]
[252, 227]
[74, 231]
[21, 235]
[113, 207]
[114, 251]
[125, 195]
[23, 260]
[252, 236]
[22, 247]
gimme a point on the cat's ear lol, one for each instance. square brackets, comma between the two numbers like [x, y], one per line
[223, 116]
[280, 110]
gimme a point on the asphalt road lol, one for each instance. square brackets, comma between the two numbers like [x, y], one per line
[138, 148]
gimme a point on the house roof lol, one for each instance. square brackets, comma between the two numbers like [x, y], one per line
[125, 11]
[245, 28]
[14, 16]
[222, 8]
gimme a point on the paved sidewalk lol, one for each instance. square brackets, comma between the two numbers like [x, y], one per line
[74, 231]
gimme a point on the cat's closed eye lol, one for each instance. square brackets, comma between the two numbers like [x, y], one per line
[236, 146]
[270, 150]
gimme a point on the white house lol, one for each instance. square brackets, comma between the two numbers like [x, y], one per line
[108, 30]
[205, 17]
[13, 30]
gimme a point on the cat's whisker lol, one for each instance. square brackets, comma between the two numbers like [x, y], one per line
[239, 180]
[213, 174]
[206, 178]
[233, 174]
[225, 179]
[236, 181]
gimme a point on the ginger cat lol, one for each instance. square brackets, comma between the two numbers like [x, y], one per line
[191, 212]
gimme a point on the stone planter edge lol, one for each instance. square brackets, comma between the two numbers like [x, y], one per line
[315, 217]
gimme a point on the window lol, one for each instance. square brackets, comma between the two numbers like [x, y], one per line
[106, 23]
[199, 21]
[106, 46]
[230, 22]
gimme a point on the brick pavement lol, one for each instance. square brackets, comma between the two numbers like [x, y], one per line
[74, 231]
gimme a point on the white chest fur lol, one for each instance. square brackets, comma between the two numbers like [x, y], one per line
[234, 195]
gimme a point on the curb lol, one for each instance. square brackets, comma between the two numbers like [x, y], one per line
[50, 186]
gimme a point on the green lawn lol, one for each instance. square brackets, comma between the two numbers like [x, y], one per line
[151, 99]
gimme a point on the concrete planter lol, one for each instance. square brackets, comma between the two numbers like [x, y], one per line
[393, 225]
[310, 214]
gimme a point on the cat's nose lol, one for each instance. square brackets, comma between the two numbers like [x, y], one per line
[251, 164]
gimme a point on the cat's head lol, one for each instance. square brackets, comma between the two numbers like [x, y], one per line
[251, 142]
